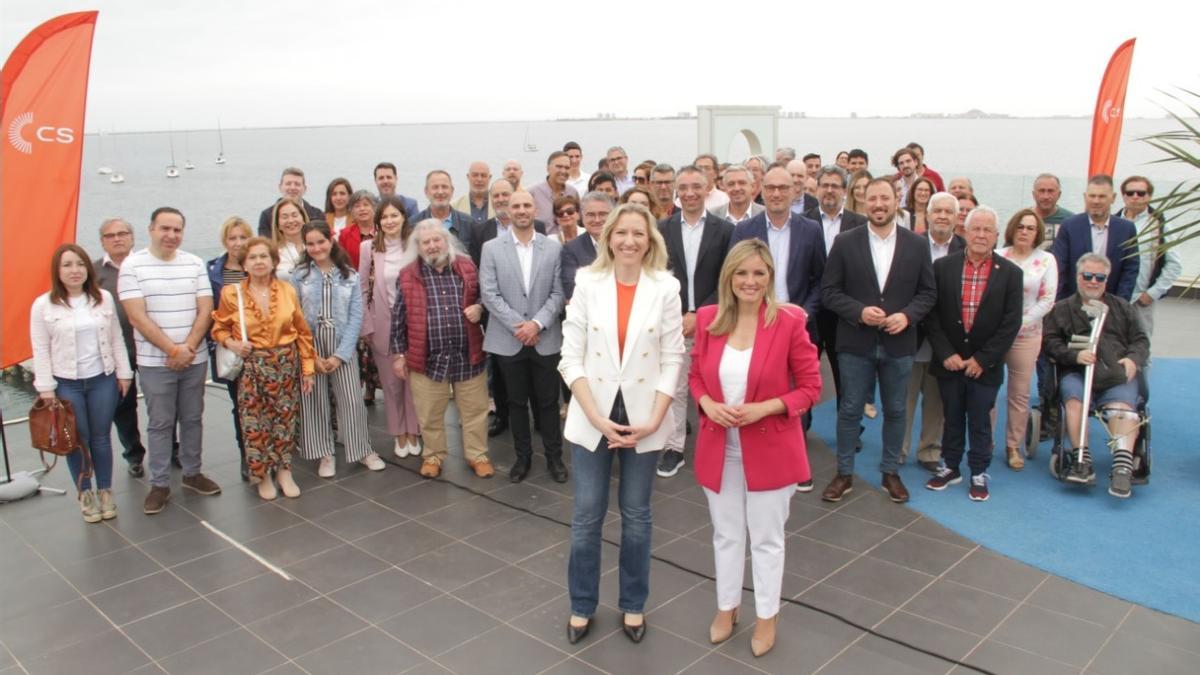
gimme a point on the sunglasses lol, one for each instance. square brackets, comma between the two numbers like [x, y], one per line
[1136, 193]
[566, 212]
[1094, 276]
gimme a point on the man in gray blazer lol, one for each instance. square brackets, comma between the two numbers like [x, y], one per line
[740, 185]
[520, 287]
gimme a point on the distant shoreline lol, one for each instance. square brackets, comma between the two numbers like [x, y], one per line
[666, 118]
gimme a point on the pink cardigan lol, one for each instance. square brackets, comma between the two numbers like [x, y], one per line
[52, 331]
[784, 366]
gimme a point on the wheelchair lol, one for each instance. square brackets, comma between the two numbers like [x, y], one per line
[1064, 459]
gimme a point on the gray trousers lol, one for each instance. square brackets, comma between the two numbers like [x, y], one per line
[174, 396]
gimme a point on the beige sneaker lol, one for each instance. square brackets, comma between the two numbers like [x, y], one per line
[87, 505]
[108, 507]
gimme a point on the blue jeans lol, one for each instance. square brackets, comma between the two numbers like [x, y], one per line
[967, 407]
[95, 402]
[590, 473]
[859, 375]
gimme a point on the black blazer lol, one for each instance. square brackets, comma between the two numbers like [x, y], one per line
[849, 286]
[577, 253]
[997, 321]
[481, 233]
[806, 258]
[714, 242]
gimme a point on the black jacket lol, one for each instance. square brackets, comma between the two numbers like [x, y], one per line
[997, 321]
[849, 286]
[1122, 337]
[714, 242]
[850, 220]
[577, 253]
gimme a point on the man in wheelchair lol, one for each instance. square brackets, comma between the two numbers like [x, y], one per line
[1109, 360]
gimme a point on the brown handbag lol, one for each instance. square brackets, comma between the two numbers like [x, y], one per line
[52, 429]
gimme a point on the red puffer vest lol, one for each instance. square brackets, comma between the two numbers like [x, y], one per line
[417, 312]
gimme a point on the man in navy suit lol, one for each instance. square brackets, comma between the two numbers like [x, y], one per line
[796, 243]
[581, 251]
[1098, 231]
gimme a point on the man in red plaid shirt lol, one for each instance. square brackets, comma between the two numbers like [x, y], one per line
[972, 326]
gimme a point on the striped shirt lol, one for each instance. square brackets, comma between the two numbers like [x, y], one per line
[170, 289]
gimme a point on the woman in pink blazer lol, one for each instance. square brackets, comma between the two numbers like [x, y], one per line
[754, 372]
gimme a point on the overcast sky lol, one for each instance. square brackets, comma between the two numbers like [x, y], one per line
[304, 62]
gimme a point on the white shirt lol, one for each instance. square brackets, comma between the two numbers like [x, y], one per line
[393, 262]
[87, 338]
[715, 199]
[1100, 237]
[289, 257]
[524, 257]
[736, 220]
[779, 240]
[832, 227]
[733, 371]
[937, 250]
[883, 249]
[580, 184]
[692, 234]
[339, 224]
[170, 289]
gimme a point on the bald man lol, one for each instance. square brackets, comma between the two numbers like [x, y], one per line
[475, 202]
[513, 173]
[803, 202]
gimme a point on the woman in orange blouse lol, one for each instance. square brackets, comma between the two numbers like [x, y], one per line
[278, 345]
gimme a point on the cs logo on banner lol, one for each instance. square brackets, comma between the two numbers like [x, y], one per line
[43, 134]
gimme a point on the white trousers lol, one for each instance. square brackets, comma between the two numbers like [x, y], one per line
[734, 510]
[679, 405]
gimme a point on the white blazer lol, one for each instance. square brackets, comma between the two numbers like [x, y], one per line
[651, 362]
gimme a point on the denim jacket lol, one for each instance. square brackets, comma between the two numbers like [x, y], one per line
[347, 307]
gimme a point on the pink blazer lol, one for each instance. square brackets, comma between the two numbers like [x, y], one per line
[785, 366]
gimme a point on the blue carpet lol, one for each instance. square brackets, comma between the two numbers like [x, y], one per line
[1143, 549]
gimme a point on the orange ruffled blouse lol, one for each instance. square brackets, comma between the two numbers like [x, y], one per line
[282, 325]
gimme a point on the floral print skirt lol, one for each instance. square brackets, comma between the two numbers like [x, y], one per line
[269, 402]
[367, 372]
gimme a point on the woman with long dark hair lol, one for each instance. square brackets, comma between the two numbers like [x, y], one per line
[337, 205]
[332, 302]
[79, 356]
[380, 262]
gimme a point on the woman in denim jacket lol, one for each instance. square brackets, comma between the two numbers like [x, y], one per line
[330, 296]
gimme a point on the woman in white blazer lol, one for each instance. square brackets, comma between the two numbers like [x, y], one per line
[79, 356]
[622, 355]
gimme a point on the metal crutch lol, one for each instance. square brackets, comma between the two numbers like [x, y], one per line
[1098, 311]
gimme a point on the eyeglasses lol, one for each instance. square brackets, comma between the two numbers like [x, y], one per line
[1094, 276]
[1136, 193]
[116, 235]
[566, 212]
[640, 180]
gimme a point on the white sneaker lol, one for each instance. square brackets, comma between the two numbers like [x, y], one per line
[414, 449]
[401, 451]
[373, 462]
[328, 467]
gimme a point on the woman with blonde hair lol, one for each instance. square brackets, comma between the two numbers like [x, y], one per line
[277, 365]
[856, 192]
[621, 356]
[754, 373]
[223, 270]
[79, 356]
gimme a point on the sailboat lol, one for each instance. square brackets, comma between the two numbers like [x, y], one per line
[529, 147]
[187, 153]
[116, 177]
[172, 170]
[221, 141]
[104, 169]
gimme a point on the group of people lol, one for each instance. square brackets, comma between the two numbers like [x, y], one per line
[609, 309]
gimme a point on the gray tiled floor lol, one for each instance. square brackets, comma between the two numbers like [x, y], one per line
[392, 574]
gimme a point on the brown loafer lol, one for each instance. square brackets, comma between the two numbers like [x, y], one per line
[1015, 461]
[483, 467]
[838, 487]
[431, 468]
[894, 488]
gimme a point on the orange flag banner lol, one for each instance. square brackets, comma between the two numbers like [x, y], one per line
[1110, 111]
[43, 93]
